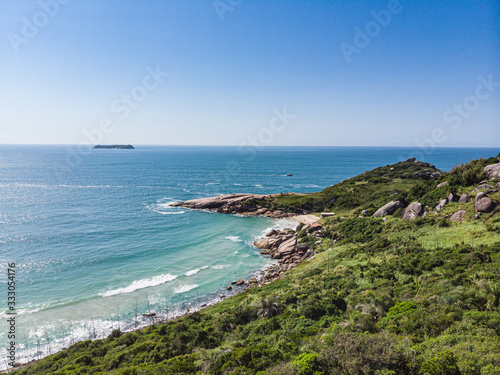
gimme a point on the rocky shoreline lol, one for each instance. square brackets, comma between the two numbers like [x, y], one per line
[282, 245]
[237, 204]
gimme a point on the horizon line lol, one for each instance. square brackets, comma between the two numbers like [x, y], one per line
[247, 146]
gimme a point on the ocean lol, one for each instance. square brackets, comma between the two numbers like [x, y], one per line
[96, 244]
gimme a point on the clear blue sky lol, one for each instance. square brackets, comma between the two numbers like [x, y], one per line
[231, 67]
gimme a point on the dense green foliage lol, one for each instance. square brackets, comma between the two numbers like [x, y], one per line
[380, 297]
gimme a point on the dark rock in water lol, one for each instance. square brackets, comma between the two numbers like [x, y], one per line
[388, 209]
[458, 216]
[229, 287]
[413, 211]
[114, 147]
[149, 314]
[272, 232]
[465, 198]
[252, 280]
[240, 282]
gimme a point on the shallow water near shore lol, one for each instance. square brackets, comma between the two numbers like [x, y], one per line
[96, 242]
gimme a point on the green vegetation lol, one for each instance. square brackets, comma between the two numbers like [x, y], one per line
[380, 297]
[368, 191]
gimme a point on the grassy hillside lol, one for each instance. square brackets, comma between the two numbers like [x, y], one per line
[379, 297]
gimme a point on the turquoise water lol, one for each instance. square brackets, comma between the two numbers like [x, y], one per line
[95, 240]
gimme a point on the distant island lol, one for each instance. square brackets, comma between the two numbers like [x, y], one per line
[115, 147]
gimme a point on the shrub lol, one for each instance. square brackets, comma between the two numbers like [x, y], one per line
[361, 229]
[444, 363]
[307, 364]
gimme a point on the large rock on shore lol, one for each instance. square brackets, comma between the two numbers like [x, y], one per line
[464, 198]
[268, 243]
[458, 216]
[485, 188]
[235, 204]
[484, 204]
[229, 200]
[413, 211]
[442, 203]
[388, 209]
[492, 171]
[287, 247]
[480, 196]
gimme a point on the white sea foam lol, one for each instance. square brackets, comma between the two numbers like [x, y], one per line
[185, 288]
[164, 208]
[194, 272]
[169, 213]
[279, 224]
[300, 186]
[90, 186]
[220, 266]
[140, 284]
[234, 238]
[165, 205]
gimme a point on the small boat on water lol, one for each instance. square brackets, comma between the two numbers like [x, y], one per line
[289, 174]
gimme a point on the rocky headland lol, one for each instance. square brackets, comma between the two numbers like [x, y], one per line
[242, 204]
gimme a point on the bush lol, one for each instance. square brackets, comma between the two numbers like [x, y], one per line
[444, 363]
[361, 229]
[351, 353]
[307, 364]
